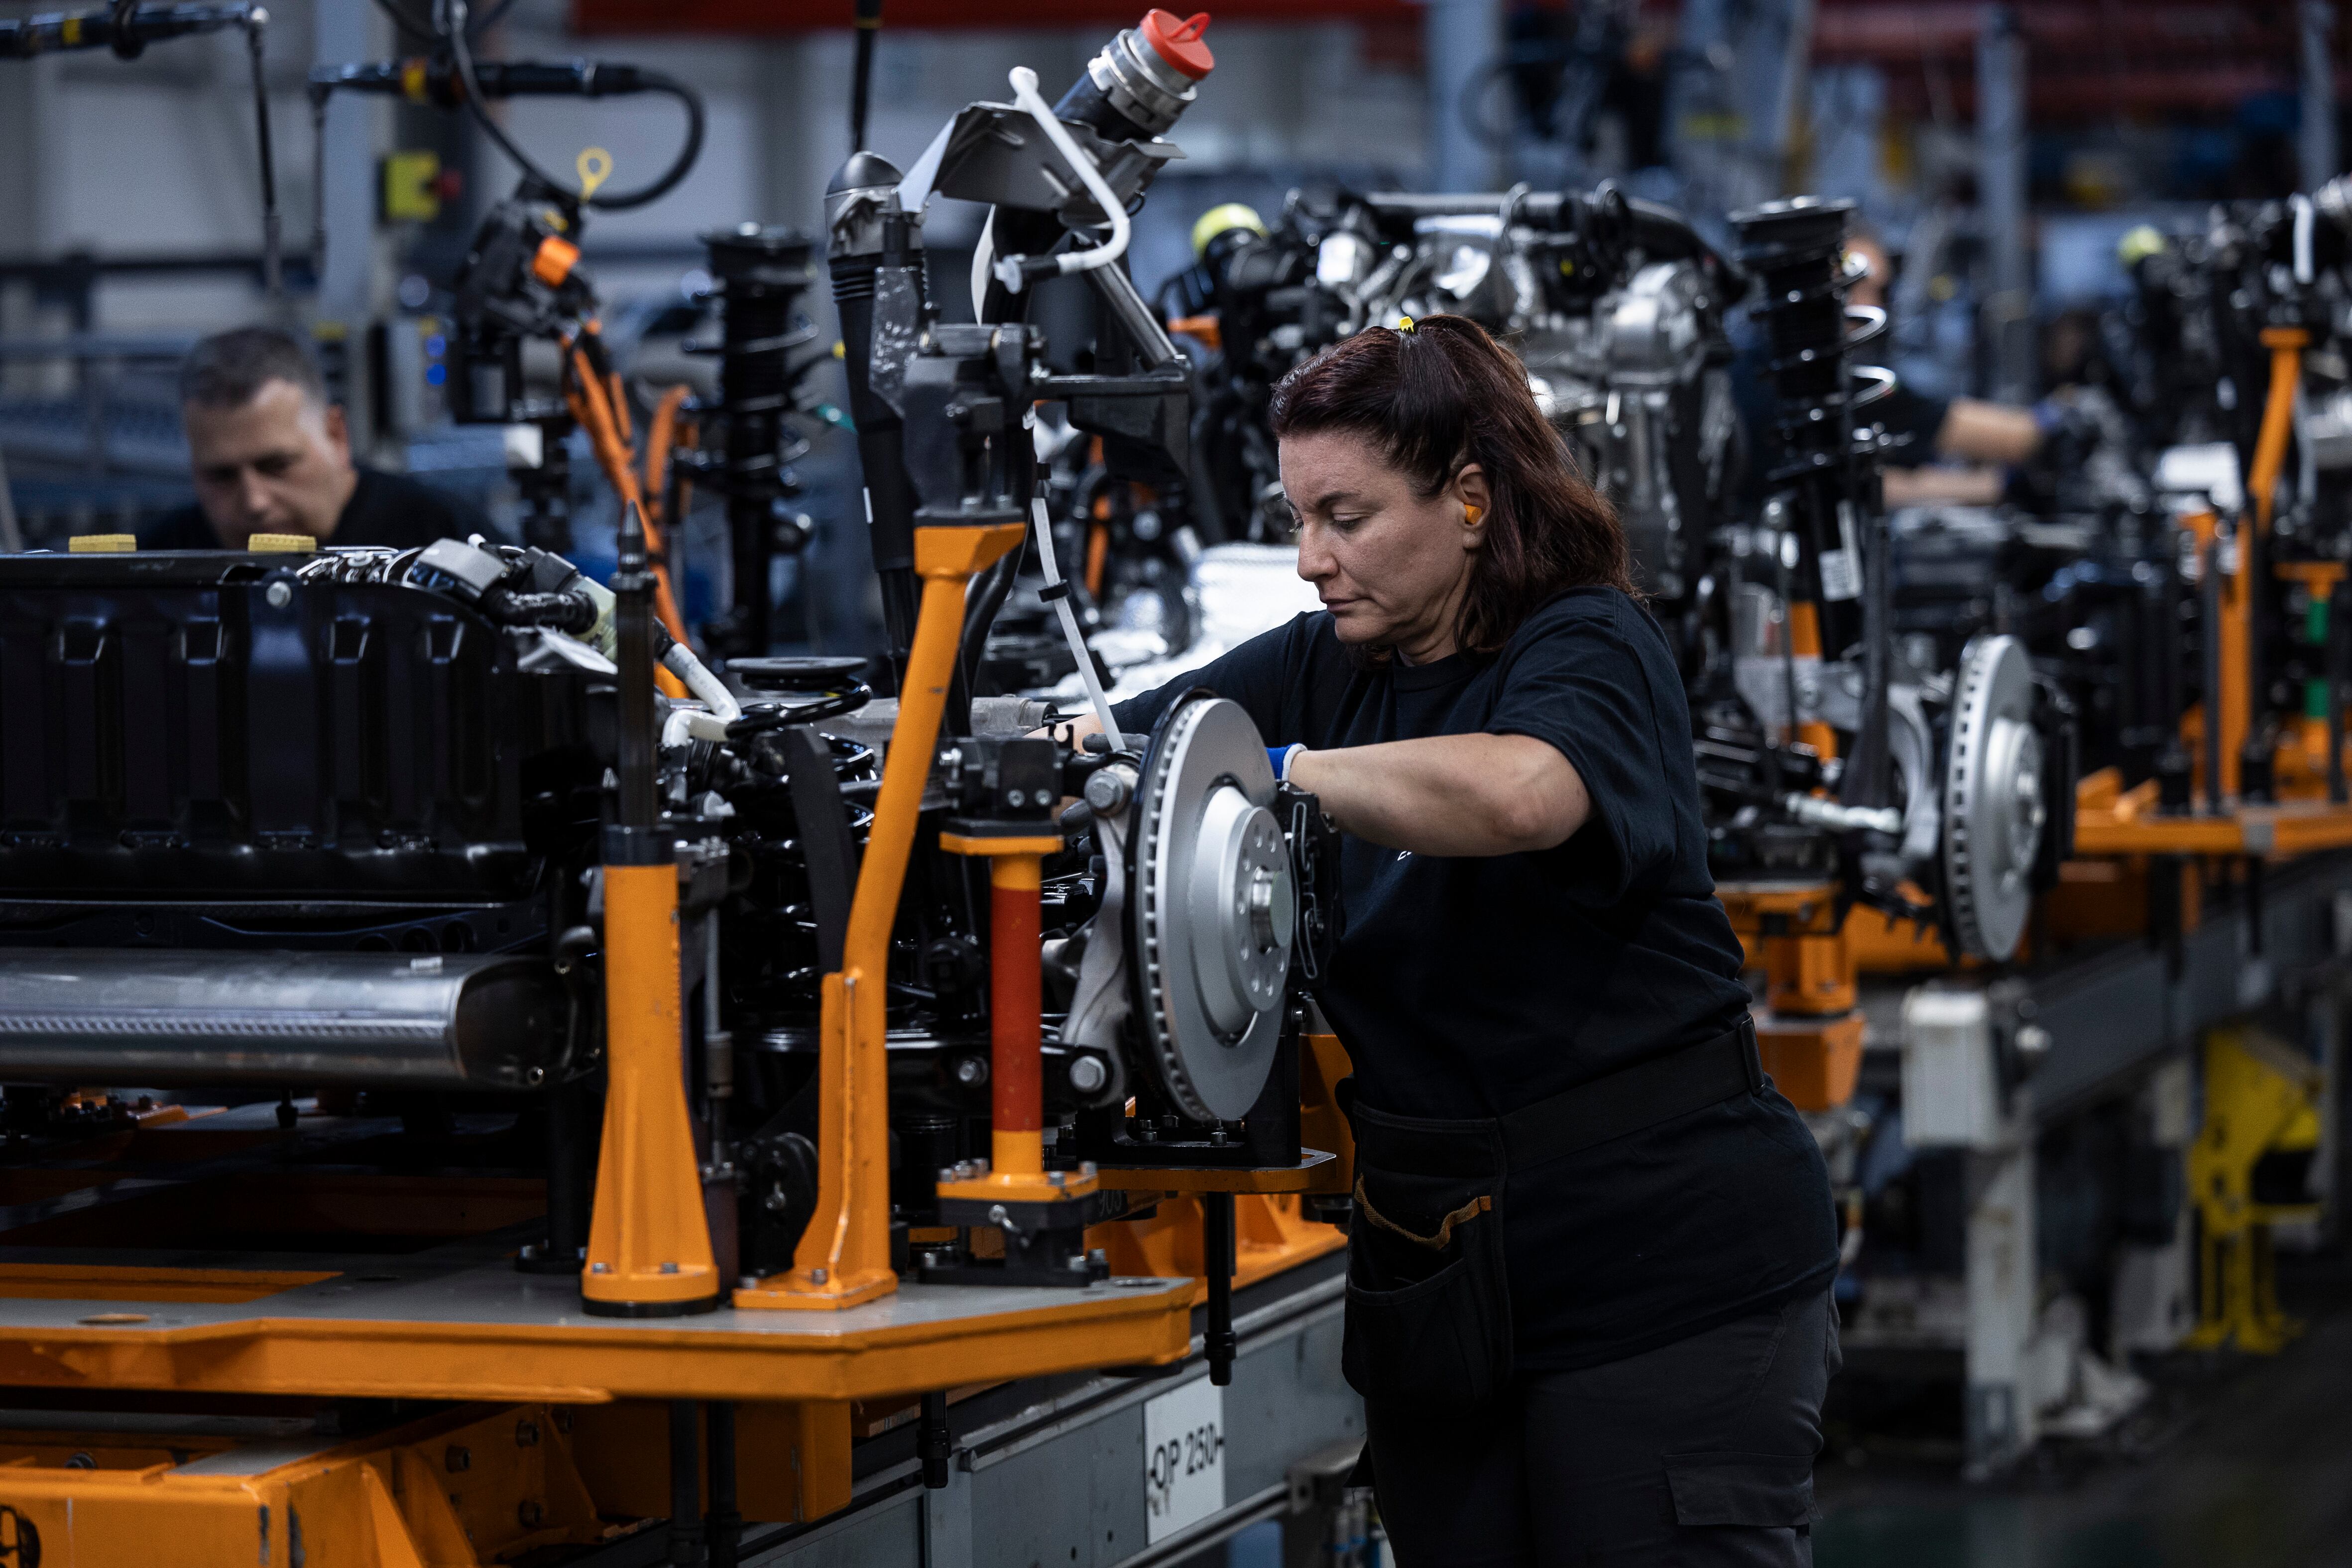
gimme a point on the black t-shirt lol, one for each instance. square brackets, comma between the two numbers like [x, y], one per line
[1468, 988]
[384, 508]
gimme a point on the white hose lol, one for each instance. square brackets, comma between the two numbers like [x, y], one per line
[2302, 205]
[680, 661]
[686, 725]
[1008, 271]
[1078, 648]
[984, 257]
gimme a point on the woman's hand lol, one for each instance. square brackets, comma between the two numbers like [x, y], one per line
[1450, 794]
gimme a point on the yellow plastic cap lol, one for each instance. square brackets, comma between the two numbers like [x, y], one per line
[1222, 219]
[281, 544]
[102, 544]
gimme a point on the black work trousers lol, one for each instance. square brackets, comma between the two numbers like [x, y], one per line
[1697, 1454]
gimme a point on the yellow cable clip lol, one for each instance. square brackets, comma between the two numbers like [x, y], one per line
[595, 166]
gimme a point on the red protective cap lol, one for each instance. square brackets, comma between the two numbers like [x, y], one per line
[1180, 43]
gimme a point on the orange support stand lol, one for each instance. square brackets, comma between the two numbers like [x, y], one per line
[844, 1255]
[1017, 1172]
[649, 1241]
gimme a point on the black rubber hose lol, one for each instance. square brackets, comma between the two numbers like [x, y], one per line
[461, 55]
[988, 593]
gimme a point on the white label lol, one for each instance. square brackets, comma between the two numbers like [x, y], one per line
[1184, 1459]
[1841, 580]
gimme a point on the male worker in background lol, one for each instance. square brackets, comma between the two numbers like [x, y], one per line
[271, 455]
[1958, 449]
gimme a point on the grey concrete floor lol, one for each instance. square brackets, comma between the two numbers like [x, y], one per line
[2239, 1462]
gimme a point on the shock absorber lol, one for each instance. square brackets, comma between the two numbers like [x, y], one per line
[874, 252]
[760, 275]
[1827, 470]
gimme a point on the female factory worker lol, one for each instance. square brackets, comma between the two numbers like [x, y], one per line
[1589, 1270]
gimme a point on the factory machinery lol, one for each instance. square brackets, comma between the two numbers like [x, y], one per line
[2030, 818]
[465, 1105]
[482, 1084]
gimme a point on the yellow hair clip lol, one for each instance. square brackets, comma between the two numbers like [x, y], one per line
[1404, 324]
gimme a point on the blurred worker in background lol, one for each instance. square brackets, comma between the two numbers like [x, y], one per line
[1985, 437]
[270, 453]
[1589, 1268]
[1963, 450]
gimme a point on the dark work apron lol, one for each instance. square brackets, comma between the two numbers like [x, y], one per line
[1429, 1299]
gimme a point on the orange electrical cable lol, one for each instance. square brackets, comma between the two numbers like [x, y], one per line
[1097, 554]
[586, 397]
[620, 396]
[661, 435]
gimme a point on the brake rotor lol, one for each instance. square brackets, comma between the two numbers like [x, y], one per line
[1994, 809]
[1212, 907]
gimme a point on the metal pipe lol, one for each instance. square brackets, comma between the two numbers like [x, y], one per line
[2002, 187]
[2316, 139]
[380, 1020]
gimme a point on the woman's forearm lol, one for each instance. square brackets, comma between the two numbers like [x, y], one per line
[1450, 794]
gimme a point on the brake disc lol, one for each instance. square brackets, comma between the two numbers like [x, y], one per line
[1212, 907]
[1994, 809]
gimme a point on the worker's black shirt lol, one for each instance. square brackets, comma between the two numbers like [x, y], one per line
[1471, 987]
[384, 508]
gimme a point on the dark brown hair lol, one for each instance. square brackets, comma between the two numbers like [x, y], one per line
[229, 369]
[1437, 397]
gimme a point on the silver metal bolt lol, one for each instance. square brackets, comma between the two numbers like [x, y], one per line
[1087, 1074]
[972, 1071]
[1107, 791]
[997, 1214]
[819, 1276]
[600, 1268]
[280, 595]
[669, 1268]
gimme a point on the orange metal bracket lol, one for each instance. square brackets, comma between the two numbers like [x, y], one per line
[1016, 1171]
[844, 1255]
[1808, 1034]
[2286, 344]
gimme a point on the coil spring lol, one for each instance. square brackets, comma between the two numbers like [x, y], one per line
[759, 276]
[1797, 248]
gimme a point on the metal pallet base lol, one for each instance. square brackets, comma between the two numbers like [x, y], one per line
[1059, 1478]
